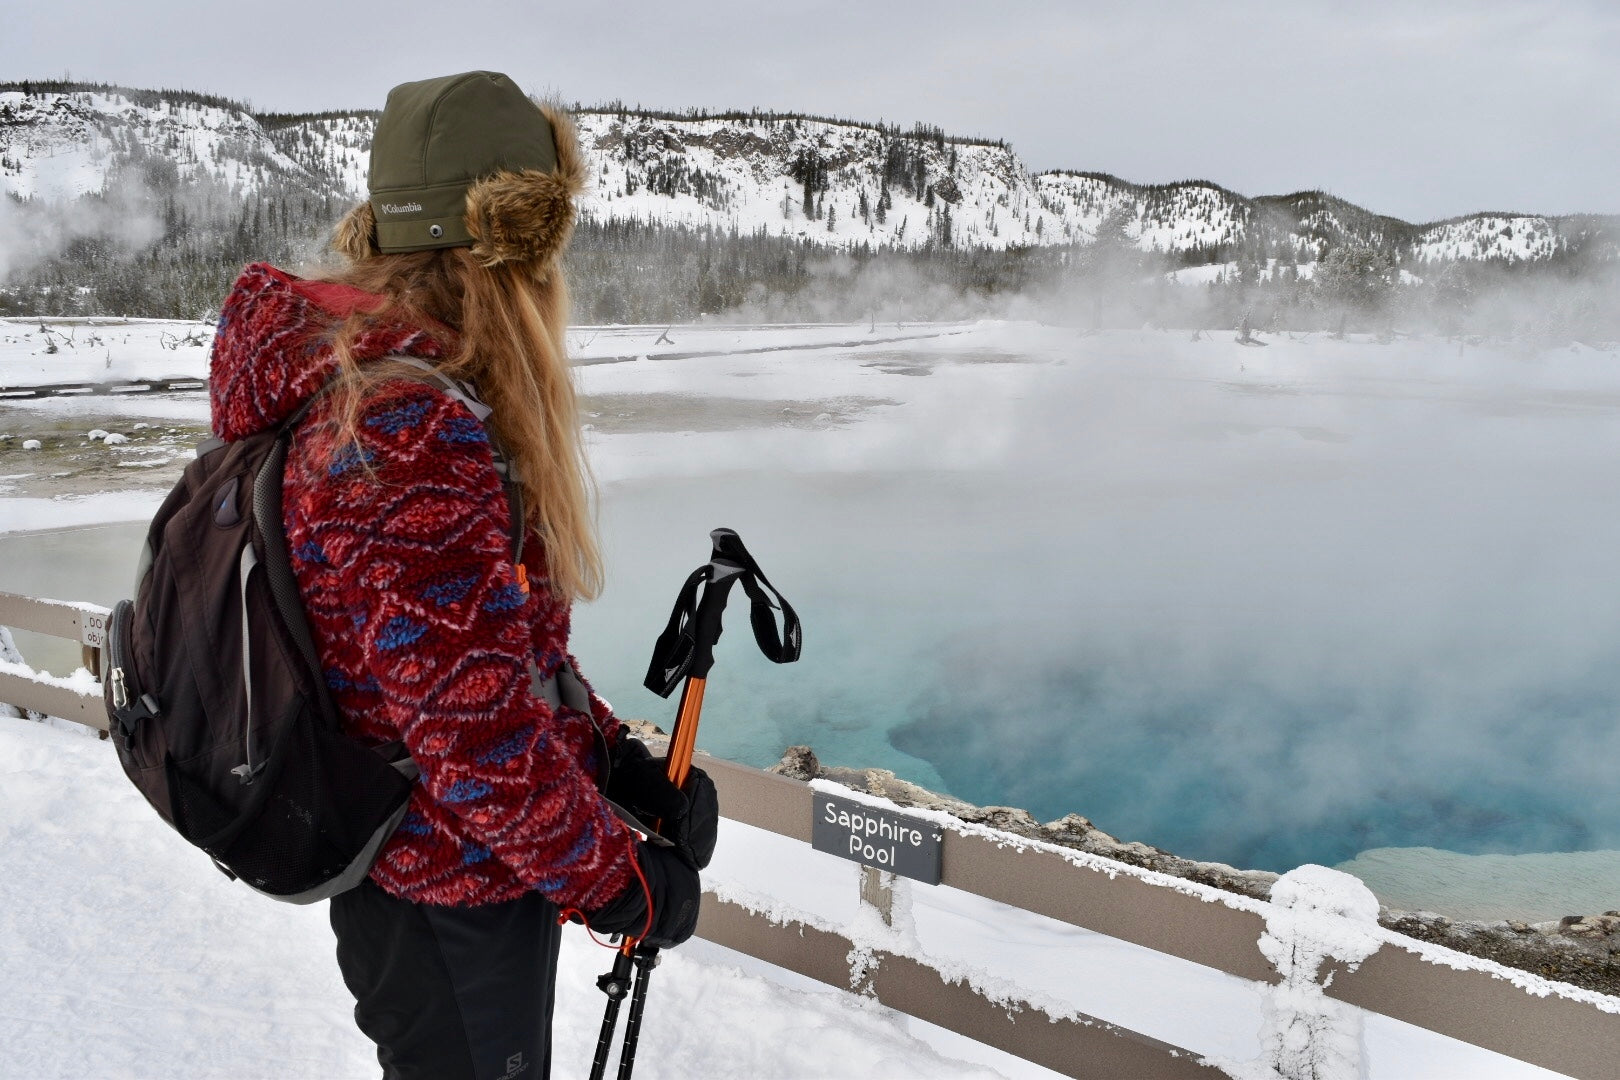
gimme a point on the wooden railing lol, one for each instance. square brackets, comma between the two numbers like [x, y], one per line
[84, 623]
[1565, 1034]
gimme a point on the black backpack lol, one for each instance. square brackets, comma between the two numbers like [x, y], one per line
[219, 708]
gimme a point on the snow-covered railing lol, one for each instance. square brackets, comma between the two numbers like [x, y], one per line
[71, 698]
[1315, 958]
[1315, 951]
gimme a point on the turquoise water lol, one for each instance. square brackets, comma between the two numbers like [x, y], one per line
[1005, 669]
[1003, 675]
[966, 687]
[1252, 622]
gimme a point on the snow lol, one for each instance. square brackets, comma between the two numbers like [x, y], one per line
[124, 954]
[197, 977]
[80, 681]
[1006, 954]
[1513, 237]
[1317, 915]
[734, 174]
[9, 655]
[1212, 273]
[36, 352]
[114, 930]
[43, 352]
[68, 511]
[746, 168]
[61, 149]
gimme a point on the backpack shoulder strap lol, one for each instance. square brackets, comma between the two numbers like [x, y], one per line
[463, 392]
[277, 562]
[467, 394]
[564, 686]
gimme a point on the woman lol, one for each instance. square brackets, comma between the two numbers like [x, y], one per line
[431, 628]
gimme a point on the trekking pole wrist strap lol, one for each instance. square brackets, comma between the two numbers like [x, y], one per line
[686, 647]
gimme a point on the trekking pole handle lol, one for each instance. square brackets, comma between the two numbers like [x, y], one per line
[729, 560]
[727, 563]
[686, 647]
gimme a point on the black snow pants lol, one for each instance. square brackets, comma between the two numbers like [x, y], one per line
[450, 993]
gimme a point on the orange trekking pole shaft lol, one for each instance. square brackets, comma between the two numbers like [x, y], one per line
[677, 766]
[685, 650]
[684, 740]
[634, 960]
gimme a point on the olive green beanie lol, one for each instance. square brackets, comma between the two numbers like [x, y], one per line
[467, 161]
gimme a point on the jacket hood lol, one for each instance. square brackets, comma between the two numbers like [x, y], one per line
[273, 346]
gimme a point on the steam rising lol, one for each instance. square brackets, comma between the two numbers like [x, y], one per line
[1262, 605]
[1110, 284]
[34, 232]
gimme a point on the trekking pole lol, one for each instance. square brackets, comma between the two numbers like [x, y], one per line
[685, 650]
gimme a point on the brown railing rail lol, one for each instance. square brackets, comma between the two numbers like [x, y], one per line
[1564, 1034]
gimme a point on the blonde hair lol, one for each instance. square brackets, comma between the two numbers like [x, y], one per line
[502, 329]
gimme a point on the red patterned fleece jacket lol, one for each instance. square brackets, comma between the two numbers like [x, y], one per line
[401, 546]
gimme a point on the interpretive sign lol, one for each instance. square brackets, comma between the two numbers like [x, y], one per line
[876, 837]
[93, 628]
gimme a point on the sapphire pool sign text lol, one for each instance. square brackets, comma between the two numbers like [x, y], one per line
[878, 838]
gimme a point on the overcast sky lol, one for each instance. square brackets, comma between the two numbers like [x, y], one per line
[1422, 109]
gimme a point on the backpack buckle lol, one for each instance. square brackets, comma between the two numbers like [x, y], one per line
[248, 773]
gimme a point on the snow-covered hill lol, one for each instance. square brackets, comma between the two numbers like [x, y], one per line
[64, 145]
[335, 147]
[835, 183]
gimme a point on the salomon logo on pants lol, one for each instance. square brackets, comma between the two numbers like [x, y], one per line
[515, 1067]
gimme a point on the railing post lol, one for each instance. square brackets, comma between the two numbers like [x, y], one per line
[8, 648]
[877, 890]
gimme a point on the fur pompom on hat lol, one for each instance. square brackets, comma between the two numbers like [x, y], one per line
[468, 161]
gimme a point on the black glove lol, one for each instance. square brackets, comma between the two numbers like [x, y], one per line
[636, 781]
[694, 832]
[689, 818]
[672, 885]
